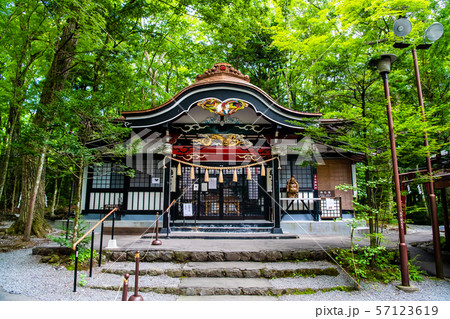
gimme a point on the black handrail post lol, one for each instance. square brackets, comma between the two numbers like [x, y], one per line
[75, 270]
[101, 247]
[68, 211]
[113, 221]
[168, 222]
[92, 253]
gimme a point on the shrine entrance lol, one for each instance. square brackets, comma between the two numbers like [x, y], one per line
[228, 200]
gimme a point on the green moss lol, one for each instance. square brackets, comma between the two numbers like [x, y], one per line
[307, 291]
[339, 288]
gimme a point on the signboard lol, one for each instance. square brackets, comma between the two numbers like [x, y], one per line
[316, 186]
[323, 194]
[329, 203]
[156, 180]
[187, 210]
[212, 183]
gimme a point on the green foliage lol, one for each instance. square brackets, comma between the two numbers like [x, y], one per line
[374, 264]
[84, 251]
[82, 282]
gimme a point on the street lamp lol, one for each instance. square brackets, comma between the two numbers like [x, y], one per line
[433, 33]
[383, 65]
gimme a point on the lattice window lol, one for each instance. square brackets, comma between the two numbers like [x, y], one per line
[108, 175]
[147, 174]
[253, 183]
[140, 179]
[303, 175]
[156, 174]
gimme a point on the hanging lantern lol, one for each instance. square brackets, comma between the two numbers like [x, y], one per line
[249, 174]
[192, 172]
[220, 177]
[179, 169]
[206, 175]
[263, 170]
[235, 176]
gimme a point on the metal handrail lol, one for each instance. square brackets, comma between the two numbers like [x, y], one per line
[75, 247]
[90, 230]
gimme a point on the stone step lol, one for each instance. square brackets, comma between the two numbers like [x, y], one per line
[225, 235]
[222, 229]
[223, 224]
[226, 269]
[226, 286]
[182, 256]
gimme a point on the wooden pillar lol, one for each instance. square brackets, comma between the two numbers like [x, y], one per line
[316, 204]
[126, 188]
[276, 198]
[166, 197]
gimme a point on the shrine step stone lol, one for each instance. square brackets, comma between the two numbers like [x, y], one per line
[227, 286]
[182, 256]
[227, 269]
[226, 278]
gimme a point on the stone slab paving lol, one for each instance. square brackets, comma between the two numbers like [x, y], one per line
[225, 283]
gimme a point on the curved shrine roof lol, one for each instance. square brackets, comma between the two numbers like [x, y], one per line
[221, 82]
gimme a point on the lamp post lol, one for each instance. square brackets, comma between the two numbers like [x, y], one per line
[384, 67]
[432, 195]
[433, 33]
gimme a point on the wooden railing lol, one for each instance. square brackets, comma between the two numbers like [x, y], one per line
[90, 230]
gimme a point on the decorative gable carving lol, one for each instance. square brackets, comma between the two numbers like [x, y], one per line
[222, 70]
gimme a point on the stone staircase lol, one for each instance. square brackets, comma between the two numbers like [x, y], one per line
[223, 227]
[225, 280]
[224, 230]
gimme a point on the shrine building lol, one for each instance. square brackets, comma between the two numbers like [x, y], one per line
[223, 150]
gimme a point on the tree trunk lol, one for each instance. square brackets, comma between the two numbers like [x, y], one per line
[37, 180]
[54, 82]
[13, 196]
[55, 193]
[76, 221]
[14, 114]
[39, 226]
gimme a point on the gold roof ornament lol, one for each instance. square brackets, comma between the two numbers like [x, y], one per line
[222, 71]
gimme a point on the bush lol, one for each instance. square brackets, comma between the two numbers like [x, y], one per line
[84, 251]
[374, 264]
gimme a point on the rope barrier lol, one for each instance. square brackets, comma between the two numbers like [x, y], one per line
[228, 167]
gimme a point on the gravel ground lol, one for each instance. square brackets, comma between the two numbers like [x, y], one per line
[22, 273]
[429, 290]
[319, 282]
